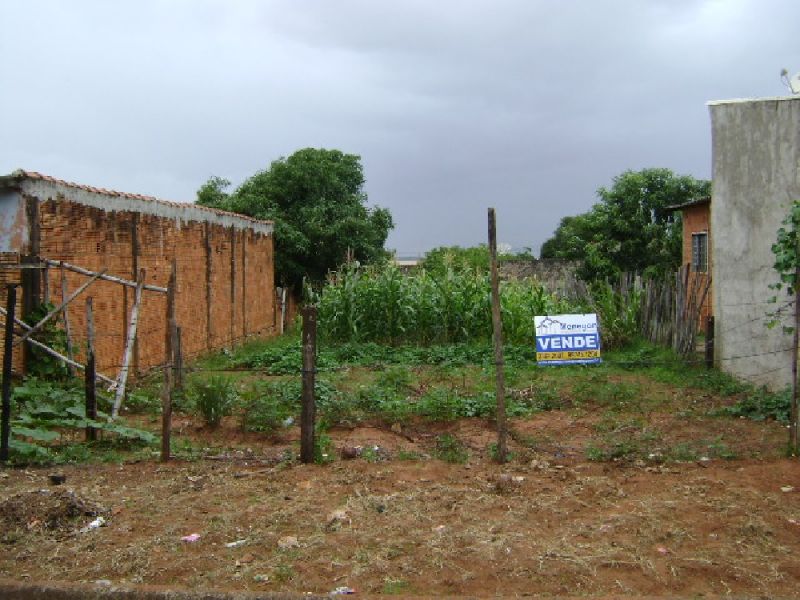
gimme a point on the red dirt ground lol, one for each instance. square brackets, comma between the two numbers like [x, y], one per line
[548, 523]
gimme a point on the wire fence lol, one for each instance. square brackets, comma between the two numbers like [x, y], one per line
[669, 315]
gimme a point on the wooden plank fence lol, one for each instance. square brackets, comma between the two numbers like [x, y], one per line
[671, 308]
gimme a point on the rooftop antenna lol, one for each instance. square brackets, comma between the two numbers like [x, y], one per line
[793, 82]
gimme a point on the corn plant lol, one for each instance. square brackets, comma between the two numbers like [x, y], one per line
[619, 313]
[381, 304]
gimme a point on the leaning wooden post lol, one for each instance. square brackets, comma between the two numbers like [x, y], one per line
[308, 411]
[53, 353]
[497, 326]
[90, 373]
[170, 343]
[65, 315]
[8, 349]
[122, 379]
[793, 449]
[36, 328]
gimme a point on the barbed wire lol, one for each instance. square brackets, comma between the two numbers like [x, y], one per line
[645, 363]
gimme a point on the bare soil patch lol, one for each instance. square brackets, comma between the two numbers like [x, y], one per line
[550, 522]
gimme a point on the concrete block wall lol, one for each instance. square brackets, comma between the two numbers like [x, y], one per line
[756, 170]
[553, 273]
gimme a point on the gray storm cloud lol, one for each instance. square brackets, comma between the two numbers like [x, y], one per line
[525, 105]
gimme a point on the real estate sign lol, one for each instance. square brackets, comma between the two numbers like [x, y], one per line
[567, 339]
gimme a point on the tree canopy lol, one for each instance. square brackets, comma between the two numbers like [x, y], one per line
[631, 228]
[316, 198]
[438, 260]
[471, 258]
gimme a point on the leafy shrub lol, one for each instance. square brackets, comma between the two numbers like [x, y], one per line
[43, 364]
[213, 398]
[762, 405]
[268, 406]
[47, 414]
[544, 397]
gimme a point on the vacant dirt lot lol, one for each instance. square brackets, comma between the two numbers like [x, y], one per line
[396, 521]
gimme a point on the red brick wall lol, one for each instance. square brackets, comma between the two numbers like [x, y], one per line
[696, 219]
[233, 266]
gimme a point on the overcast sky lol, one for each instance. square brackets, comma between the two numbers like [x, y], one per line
[454, 105]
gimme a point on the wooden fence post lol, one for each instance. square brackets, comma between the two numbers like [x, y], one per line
[497, 326]
[89, 373]
[793, 449]
[170, 342]
[308, 411]
[178, 344]
[710, 342]
[8, 348]
[46, 284]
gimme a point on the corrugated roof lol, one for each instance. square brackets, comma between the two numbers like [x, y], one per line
[689, 204]
[20, 175]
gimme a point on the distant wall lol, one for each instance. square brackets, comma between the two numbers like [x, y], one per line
[756, 154]
[553, 273]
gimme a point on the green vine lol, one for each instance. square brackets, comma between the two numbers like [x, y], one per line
[787, 260]
[43, 364]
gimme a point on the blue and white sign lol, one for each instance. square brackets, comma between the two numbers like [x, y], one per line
[567, 339]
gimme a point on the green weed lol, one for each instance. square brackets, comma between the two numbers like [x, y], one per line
[408, 455]
[717, 448]
[49, 417]
[396, 377]
[323, 446]
[440, 404]
[213, 398]
[395, 586]
[494, 453]
[450, 449]
[760, 404]
[621, 439]
[283, 573]
[682, 452]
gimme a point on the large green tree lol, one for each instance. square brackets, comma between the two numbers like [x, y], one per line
[631, 228]
[317, 200]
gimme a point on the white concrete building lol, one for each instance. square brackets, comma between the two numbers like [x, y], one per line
[756, 177]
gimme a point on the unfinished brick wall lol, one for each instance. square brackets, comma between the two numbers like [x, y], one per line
[225, 289]
[10, 274]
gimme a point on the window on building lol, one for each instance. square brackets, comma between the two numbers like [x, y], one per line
[700, 252]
